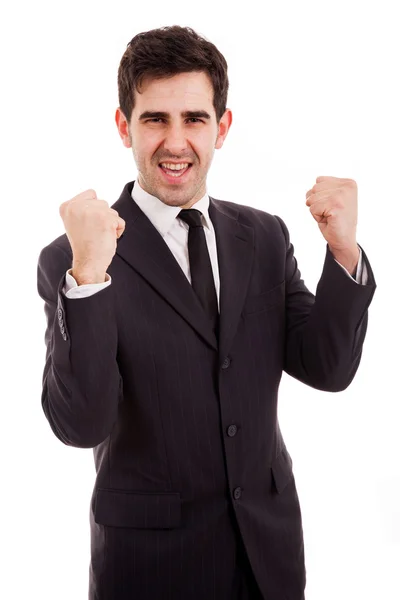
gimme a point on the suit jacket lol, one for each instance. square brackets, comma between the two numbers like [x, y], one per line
[187, 445]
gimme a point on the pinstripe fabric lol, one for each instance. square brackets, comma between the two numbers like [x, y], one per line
[183, 502]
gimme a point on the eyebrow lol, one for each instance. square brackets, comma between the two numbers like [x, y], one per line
[188, 114]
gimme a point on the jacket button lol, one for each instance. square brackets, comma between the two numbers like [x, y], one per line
[237, 492]
[232, 430]
[226, 363]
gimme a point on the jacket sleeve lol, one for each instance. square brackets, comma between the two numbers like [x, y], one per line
[325, 333]
[82, 386]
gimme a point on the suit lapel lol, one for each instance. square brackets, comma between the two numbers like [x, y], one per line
[146, 251]
[235, 248]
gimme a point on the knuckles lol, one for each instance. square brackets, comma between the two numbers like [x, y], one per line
[87, 208]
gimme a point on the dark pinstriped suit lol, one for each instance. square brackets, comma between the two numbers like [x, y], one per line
[187, 444]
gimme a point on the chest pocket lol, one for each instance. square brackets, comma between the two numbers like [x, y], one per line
[266, 300]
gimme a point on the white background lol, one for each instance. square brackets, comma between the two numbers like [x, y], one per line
[314, 91]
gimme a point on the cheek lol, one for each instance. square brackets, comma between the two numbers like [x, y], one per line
[207, 153]
[145, 151]
[145, 145]
[203, 146]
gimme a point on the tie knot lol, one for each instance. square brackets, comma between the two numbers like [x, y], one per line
[191, 216]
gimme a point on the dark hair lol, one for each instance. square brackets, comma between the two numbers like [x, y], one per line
[165, 52]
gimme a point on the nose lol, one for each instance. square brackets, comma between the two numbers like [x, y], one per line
[175, 141]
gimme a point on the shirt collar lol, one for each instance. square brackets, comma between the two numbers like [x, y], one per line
[163, 216]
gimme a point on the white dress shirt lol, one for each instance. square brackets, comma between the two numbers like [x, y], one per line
[175, 233]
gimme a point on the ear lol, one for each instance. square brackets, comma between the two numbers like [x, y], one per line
[123, 127]
[223, 128]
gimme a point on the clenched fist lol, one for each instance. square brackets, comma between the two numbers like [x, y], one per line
[92, 228]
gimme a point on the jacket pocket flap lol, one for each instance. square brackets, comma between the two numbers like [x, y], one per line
[282, 470]
[143, 510]
[273, 297]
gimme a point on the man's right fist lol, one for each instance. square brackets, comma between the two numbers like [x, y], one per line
[92, 228]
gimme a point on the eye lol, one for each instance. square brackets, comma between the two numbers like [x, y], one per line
[161, 119]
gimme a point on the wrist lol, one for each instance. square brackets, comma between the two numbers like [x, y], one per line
[348, 258]
[90, 278]
[88, 275]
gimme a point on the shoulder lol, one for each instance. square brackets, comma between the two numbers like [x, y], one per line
[260, 220]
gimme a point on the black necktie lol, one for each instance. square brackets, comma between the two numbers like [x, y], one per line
[200, 265]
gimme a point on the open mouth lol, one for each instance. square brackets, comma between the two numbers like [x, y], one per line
[175, 176]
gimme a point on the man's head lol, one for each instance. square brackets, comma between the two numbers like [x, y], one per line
[174, 71]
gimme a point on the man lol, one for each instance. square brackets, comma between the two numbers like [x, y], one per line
[170, 318]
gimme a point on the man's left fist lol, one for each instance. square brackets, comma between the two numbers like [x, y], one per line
[333, 204]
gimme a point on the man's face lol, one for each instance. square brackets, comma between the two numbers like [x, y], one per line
[174, 137]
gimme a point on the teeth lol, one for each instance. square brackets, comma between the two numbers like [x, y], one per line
[173, 167]
[176, 170]
[171, 174]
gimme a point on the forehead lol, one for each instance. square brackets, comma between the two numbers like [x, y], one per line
[183, 89]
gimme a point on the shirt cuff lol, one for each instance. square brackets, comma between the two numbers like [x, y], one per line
[73, 290]
[361, 275]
